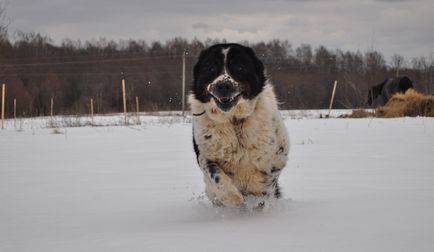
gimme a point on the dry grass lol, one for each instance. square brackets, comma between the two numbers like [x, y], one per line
[360, 113]
[411, 103]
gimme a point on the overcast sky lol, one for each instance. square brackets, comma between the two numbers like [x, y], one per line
[405, 27]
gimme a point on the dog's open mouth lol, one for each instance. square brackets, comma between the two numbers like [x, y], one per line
[226, 103]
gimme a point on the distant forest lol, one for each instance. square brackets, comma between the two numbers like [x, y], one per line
[35, 69]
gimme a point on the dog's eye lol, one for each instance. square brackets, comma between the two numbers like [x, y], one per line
[240, 69]
[209, 69]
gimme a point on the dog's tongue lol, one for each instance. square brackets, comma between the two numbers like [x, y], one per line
[225, 106]
[225, 99]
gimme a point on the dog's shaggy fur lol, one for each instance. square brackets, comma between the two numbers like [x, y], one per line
[239, 138]
[388, 88]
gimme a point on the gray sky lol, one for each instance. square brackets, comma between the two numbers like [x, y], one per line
[405, 27]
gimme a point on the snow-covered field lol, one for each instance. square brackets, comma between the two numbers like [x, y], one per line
[350, 185]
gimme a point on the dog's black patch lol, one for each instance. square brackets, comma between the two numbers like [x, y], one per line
[196, 149]
[274, 169]
[246, 68]
[273, 182]
[260, 206]
[277, 192]
[212, 168]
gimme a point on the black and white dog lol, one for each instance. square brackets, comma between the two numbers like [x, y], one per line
[388, 88]
[240, 140]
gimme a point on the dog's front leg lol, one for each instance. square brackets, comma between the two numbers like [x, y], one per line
[219, 187]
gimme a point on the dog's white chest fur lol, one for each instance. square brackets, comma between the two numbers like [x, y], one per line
[249, 143]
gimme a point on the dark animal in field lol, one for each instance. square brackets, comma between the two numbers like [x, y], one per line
[388, 88]
[240, 140]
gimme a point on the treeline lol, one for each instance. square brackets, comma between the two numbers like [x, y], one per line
[35, 69]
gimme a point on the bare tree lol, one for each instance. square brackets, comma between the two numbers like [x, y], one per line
[304, 55]
[397, 63]
[75, 71]
[4, 22]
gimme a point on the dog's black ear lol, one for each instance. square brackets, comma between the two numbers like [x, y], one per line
[196, 71]
[196, 68]
[260, 70]
[259, 66]
[257, 86]
[205, 53]
[197, 89]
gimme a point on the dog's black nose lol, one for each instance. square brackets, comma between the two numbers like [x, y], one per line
[225, 86]
[224, 90]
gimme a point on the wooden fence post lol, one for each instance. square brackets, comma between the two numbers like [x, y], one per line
[52, 107]
[333, 97]
[137, 109]
[3, 105]
[15, 112]
[124, 98]
[183, 81]
[91, 110]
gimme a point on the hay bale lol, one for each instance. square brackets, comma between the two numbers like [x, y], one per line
[411, 103]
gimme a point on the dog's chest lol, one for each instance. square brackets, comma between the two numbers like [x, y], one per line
[242, 146]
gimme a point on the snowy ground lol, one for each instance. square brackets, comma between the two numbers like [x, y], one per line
[350, 185]
[159, 118]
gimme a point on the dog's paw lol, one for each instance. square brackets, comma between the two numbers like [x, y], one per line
[232, 198]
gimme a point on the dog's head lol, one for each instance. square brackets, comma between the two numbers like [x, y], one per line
[227, 74]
